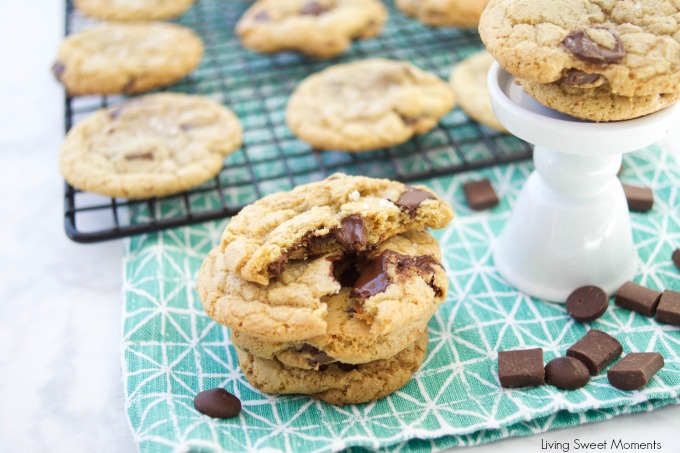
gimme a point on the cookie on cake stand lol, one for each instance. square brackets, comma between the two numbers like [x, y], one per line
[570, 225]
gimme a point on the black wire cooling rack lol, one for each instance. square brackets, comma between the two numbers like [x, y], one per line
[256, 87]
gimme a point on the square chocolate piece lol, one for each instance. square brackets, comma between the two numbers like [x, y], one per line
[596, 350]
[640, 199]
[480, 194]
[522, 368]
[635, 370]
[637, 298]
[668, 310]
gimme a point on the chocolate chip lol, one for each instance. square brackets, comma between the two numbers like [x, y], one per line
[596, 350]
[635, 370]
[346, 367]
[352, 234]
[480, 194]
[262, 16]
[58, 69]
[584, 48]
[129, 85]
[676, 258]
[668, 310]
[640, 199]
[521, 368]
[140, 156]
[323, 367]
[373, 279]
[277, 267]
[566, 373]
[587, 303]
[637, 298]
[317, 355]
[576, 78]
[313, 8]
[217, 403]
[410, 200]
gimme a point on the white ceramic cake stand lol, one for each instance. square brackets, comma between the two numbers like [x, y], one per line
[570, 226]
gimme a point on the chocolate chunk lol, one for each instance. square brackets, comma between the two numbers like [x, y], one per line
[584, 48]
[596, 350]
[277, 267]
[129, 85]
[373, 279]
[217, 403]
[317, 355]
[346, 367]
[262, 16]
[640, 199]
[576, 78]
[566, 373]
[58, 69]
[676, 258]
[410, 200]
[521, 368]
[637, 298]
[587, 303]
[323, 367]
[313, 8]
[352, 234]
[635, 370]
[668, 310]
[140, 156]
[480, 194]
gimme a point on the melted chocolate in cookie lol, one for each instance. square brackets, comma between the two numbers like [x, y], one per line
[352, 234]
[412, 198]
[584, 48]
[576, 78]
[140, 156]
[317, 357]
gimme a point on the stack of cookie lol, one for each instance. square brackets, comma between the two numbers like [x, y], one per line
[328, 288]
[591, 59]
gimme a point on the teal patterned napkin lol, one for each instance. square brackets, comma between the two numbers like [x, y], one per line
[171, 350]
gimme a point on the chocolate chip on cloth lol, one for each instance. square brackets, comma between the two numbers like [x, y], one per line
[587, 303]
[521, 368]
[350, 214]
[367, 104]
[566, 373]
[217, 403]
[596, 350]
[635, 370]
[637, 298]
[668, 310]
[676, 258]
[640, 199]
[319, 28]
[633, 44]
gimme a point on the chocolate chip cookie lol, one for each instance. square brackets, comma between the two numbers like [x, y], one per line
[443, 13]
[126, 58]
[133, 10]
[468, 80]
[319, 28]
[367, 104]
[336, 383]
[333, 301]
[150, 146]
[350, 214]
[631, 45]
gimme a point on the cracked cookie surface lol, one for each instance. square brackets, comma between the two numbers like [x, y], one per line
[338, 383]
[319, 28]
[468, 80]
[126, 58]
[368, 104]
[444, 13]
[131, 10]
[341, 213]
[334, 301]
[634, 45]
[150, 146]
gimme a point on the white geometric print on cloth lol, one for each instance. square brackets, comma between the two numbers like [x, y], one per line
[171, 350]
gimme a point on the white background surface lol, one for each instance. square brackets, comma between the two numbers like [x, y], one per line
[60, 302]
